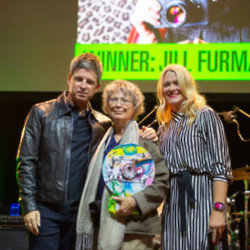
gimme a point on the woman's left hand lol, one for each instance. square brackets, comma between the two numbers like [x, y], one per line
[217, 224]
[127, 205]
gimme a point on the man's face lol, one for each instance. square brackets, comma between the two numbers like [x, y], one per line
[82, 87]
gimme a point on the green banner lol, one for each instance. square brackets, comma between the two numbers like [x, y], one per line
[210, 61]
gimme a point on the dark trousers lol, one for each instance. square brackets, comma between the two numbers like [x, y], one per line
[58, 228]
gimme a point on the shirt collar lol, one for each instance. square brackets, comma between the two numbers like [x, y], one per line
[86, 112]
[177, 116]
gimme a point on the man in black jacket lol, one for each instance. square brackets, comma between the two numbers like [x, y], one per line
[58, 140]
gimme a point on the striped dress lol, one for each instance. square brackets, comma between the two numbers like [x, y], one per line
[201, 149]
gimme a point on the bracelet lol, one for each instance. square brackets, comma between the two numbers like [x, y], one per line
[218, 206]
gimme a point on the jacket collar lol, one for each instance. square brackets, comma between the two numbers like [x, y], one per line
[63, 108]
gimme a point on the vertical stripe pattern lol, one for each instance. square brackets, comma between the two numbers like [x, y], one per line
[203, 150]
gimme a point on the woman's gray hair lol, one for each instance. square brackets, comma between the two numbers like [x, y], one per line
[128, 89]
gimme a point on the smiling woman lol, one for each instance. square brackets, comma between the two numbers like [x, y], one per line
[172, 91]
[123, 101]
[121, 110]
[194, 145]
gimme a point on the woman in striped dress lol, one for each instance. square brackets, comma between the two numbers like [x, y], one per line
[194, 145]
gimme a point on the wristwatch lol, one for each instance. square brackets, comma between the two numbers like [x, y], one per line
[218, 206]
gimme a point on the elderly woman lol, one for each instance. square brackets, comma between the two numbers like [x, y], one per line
[194, 145]
[123, 102]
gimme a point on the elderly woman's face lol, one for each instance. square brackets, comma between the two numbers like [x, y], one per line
[120, 107]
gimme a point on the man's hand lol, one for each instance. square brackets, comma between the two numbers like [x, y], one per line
[32, 222]
[148, 134]
[127, 205]
[217, 224]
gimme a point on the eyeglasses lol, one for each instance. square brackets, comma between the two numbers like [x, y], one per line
[123, 101]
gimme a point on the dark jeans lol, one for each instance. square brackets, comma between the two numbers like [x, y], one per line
[58, 228]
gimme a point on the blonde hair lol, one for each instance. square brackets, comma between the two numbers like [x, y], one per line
[193, 100]
[128, 89]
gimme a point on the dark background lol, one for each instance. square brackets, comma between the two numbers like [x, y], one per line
[14, 106]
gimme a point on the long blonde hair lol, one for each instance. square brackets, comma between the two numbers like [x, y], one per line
[193, 100]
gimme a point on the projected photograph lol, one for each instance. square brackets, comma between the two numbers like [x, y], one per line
[168, 21]
[104, 21]
[136, 39]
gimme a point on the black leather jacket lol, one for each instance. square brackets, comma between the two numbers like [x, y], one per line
[43, 156]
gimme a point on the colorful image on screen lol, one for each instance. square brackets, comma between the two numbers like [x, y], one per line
[135, 40]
